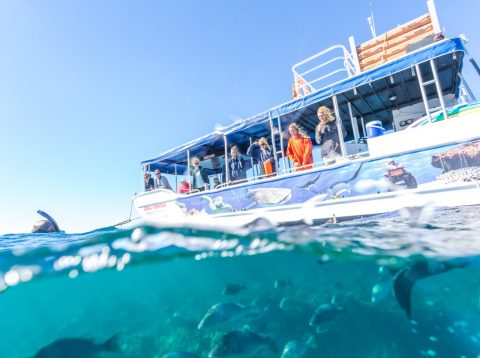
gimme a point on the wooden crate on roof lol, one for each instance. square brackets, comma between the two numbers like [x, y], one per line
[392, 44]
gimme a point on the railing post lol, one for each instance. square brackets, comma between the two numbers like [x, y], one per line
[251, 160]
[176, 179]
[190, 179]
[225, 143]
[281, 146]
[422, 90]
[354, 54]
[439, 89]
[274, 147]
[338, 121]
[467, 87]
[433, 17]
[356, 132]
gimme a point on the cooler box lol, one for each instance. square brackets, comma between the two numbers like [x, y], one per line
[374, 129]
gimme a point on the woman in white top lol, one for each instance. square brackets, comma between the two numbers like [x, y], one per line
[200, 179]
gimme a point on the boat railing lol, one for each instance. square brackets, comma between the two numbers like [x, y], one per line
[308, 79]
[284, 171]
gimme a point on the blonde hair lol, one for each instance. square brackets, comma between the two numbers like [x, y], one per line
[327, 111]
[193, 160]
[300, 130]
[264, 140]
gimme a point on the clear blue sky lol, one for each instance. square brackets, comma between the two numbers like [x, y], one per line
[89, 89]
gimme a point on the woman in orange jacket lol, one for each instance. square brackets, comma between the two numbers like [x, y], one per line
[299, 148]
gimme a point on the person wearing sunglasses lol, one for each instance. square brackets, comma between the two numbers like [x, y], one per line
[199, 175]
[261, 153]
[160, 181]
[148, 182]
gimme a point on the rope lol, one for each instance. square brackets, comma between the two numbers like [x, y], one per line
[129, 217]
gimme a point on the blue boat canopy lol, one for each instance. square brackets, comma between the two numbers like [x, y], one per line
[369, 95]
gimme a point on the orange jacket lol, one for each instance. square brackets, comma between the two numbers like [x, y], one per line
[299, 151]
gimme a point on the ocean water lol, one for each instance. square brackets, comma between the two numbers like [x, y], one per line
[150, 288]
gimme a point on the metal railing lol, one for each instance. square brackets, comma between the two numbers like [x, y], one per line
[304, 81]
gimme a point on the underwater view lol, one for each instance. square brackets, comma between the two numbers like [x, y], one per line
[396, 285]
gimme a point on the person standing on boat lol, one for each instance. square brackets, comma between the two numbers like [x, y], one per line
[199, 175]
[299, 148]
[216, 183]
[184, 186]
[237, 167]
[326, 134]
[148, 182]
[160, 182]
[262, 153]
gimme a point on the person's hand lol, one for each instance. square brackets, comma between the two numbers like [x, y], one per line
[323, 125]
[296, 164]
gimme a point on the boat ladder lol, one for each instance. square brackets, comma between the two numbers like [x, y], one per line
[423, 84]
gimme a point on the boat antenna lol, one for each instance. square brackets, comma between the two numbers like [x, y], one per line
[371, 22]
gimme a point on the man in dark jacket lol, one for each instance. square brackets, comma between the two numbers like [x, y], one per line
[237, 167]
[148, 181]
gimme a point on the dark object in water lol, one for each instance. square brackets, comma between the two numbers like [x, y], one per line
[282, 283]
[233, 288]
[223, 314]
[77, 348]
[46, 225]
[242, 344]
[324, 313]
[180, 355]
[405, 279]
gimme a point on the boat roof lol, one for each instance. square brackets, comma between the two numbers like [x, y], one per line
[370, 94]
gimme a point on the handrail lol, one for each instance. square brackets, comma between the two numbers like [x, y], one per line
[303, 86]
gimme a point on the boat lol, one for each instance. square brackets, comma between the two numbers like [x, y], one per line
[409, 129]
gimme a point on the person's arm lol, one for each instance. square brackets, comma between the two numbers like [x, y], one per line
[307, 152]
[166, 184]
[228, 170]
[252, 149]
[192, 180]
[205, 179]
[270, 155]
[246, 164]
[290, 153]
[318, 135]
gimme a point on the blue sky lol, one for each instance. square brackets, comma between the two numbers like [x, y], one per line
[89, 89]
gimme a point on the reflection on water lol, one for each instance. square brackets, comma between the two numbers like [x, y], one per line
[343, 290]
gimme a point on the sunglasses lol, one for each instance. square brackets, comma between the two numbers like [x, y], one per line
[197, 163]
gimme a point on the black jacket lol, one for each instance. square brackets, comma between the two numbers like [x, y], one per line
[149, 185]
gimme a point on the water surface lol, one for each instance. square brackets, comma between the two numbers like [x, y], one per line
[152, 286]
